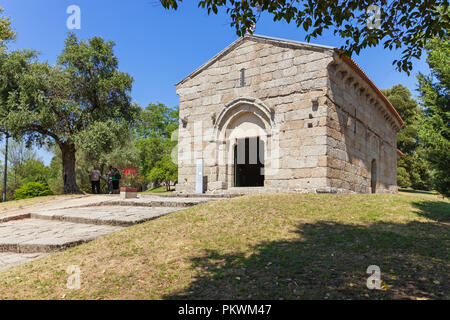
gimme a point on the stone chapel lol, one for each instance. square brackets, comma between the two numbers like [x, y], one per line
[274, 115]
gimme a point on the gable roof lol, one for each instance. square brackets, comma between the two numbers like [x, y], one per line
[259, 38]
[297, 44]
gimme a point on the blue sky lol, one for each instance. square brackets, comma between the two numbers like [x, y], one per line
[158, 47]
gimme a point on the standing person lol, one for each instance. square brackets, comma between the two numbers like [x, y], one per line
[116, 178]
[109, 176]
[94, 176]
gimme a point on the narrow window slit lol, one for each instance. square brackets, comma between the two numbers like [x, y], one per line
[242, 77]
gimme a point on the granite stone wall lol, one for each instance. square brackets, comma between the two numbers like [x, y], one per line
[320, 133]
[361, 135]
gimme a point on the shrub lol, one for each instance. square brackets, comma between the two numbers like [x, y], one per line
[31, 190]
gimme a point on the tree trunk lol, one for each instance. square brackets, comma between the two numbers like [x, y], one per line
[68, 168]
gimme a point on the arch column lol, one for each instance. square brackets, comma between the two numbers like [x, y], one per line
[242, 118]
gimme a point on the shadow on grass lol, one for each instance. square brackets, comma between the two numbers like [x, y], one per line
[434, 210]
[329, 261]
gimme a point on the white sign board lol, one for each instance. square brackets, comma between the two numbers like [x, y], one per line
[199, 176]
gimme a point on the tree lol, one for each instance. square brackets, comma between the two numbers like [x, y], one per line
[23, 166]
[157, 120]
[6, 33]
[397, 24]
[416, 169]
[55, 104]
[33, 170]
[403, 178]
[106, 143]
[400, 97]
[165, 170]
[434, 97]
[154, 134]
[54, 175]
[12, 66]
[18, 156]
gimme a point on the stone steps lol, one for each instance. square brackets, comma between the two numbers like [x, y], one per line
[105, 215]
[239, 191]
[148, 201]
[190, 195]
[29, 236]
[59, 229]
[36, 235]
[12, 259]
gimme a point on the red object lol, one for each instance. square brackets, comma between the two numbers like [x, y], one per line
[128, 189]
[129, 171]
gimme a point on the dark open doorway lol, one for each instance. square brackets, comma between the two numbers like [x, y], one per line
[249, 162]
[373, 176]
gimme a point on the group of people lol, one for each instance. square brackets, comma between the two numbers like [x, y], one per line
[112, 177]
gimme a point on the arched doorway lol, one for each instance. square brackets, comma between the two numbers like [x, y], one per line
[247, 135]
[243, 131]
[373, 176]
[249, 162]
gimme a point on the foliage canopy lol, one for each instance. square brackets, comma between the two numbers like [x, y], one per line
[434, 96]
[396, 24]
[6, 33]
[59, 104]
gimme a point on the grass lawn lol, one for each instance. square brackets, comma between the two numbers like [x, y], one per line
[284, 246]
[157, 190]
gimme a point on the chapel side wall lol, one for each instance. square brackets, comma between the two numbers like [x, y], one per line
[290, 81]
[357, 133]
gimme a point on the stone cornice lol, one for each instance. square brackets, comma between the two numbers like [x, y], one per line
[353, 77]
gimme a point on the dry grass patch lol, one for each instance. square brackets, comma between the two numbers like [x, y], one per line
[18, 204]
[289, 246]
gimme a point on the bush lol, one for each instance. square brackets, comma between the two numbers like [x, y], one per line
[31, 190]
